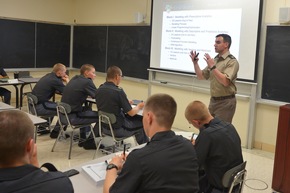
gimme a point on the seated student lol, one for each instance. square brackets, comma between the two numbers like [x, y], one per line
[218, 146]
[19, 169]
[167, 164]
[111, 98]
[45, 88]
[76, 92]
[3, 91]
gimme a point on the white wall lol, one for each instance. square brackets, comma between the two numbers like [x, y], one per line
[111, 11]
[59, 11]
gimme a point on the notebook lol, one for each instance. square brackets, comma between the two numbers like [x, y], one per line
[96, 171]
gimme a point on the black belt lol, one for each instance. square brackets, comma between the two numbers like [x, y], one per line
[224, 97]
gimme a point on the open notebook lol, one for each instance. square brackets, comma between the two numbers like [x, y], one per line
[96, 171]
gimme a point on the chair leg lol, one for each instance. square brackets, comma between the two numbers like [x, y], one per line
[35, 133]
[96, 142]
[98, 147]
[49, 123]
[70, 145]
[57, 139]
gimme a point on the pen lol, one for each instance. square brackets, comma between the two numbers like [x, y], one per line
[124, 149]
[191, 137]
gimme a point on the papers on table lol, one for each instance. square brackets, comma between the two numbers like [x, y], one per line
[136, 102]
[187, 134]
[96, 171]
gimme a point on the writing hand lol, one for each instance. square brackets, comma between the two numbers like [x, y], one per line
[118, 161]
[193, 141]
[141, 105]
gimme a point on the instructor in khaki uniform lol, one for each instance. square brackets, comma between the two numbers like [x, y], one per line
[222, 73]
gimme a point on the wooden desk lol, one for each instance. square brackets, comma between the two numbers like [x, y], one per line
[22, 82]
[15, 84]
[35, 120]
[90, 101]
[281, 170]
[4, 106]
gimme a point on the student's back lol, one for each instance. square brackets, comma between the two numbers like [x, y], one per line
[29, 179]
[168, 163]
[19, 167]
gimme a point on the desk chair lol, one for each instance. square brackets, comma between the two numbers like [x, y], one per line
[32, 100]
[108, 119]
[63, 110]
[24, 74]
[235, 177]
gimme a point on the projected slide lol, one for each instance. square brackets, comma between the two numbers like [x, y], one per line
[183, 31]
[179, 26]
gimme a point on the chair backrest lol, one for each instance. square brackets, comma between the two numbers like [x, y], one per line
[24, 74]
[32, 100]
[235, 176]
[63, 109]
[109, 119]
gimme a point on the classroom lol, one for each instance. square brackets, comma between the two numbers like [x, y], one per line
[256, 118]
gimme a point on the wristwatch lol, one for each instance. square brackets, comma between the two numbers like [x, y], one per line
[212, 68]
[111, 166]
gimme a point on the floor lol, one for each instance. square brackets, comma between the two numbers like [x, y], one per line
[259, 163]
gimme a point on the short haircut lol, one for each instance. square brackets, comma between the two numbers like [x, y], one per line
[112, 71]
[196, 110]
[86, 67]
[16, 129]
[58, 67]
[164, 107]
[227, 38]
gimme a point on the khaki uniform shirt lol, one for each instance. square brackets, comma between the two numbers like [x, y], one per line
[229, 66]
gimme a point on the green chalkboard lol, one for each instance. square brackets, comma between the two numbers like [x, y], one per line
[276, 75]
[17, 44]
